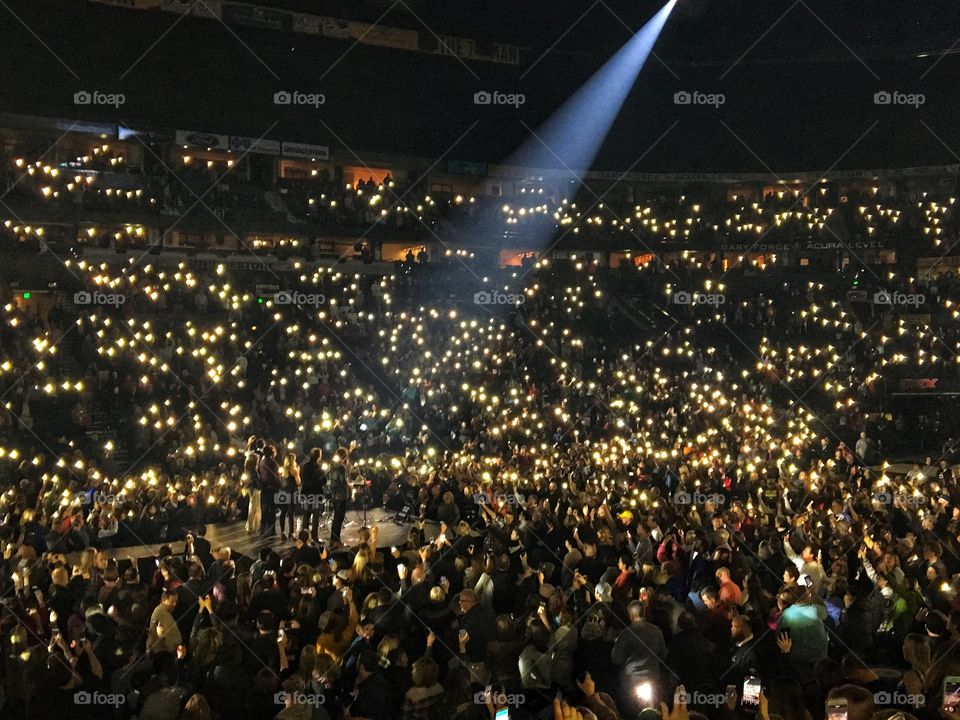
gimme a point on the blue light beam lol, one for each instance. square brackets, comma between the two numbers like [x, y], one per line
[572, 136]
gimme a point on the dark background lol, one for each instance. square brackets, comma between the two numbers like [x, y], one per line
[799, 98]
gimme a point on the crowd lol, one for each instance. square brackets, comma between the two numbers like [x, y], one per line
[622, 502]
[101, 180]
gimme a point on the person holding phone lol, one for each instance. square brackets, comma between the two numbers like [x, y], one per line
[850, 702]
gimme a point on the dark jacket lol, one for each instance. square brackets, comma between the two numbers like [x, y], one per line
[337, 482]
[268, 472]
[638, 652]
[373, 699]
[480, 623]
[743, 661]
[312, 478]
[691, 655]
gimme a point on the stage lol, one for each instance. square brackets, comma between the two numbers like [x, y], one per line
[239, 540]
[233, 535]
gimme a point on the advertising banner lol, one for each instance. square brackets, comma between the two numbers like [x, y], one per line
[305, 150]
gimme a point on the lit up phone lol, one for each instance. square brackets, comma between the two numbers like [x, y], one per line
[751, 692]
[951, 693]
[502, 714]
[644, 692]
[836, 709]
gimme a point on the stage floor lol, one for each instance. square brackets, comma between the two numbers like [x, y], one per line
[241, 542]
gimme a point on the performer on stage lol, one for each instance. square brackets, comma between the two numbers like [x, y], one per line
[339, 490]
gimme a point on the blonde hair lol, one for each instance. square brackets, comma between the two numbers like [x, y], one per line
[388, 645]
[86, 560]
[437, 594]
[360, 571]
[196, 708]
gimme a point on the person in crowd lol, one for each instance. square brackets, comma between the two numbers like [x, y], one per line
[573, 509]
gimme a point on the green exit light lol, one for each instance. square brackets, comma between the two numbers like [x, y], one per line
[26, 296]
[260, 300]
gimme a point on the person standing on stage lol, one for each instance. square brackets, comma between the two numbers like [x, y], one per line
[290, 496]
[270, 485]
[339, 490]
[250, 469]
[312, 482]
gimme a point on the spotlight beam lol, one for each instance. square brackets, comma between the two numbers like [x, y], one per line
[574, 133]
